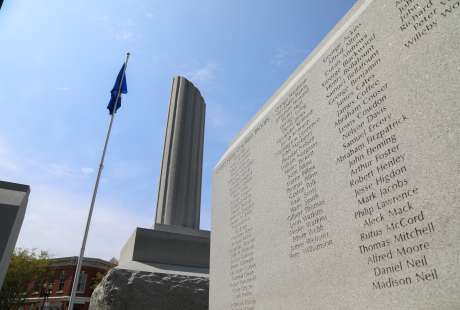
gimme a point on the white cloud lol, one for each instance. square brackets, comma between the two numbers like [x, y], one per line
[86, 170]
[217, 116]
[55, 216]
[58, 170]
[283, 56]
[13, 165]
[280, 57]
[7, 164]
[204, 74]
[123, 35]
[149, 15]
[55, 222]
[117, 29]
[217, 121]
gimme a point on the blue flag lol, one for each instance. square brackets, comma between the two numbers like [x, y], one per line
[121, 79]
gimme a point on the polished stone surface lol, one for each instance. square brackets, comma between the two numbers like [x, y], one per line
[343, 191]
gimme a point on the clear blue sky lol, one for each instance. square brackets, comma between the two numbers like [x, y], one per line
[58, 62]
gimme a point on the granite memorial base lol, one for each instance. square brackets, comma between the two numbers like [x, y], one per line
[131, 289]
[13, 203]
[169, 245]
[343, 192]
[162, 268]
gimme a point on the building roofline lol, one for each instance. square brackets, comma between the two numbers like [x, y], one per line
[72, 260]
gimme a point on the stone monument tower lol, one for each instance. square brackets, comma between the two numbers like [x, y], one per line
[176, 238]
[168, 266]
[179, 193]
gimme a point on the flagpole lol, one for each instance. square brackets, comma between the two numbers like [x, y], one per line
[93, 200]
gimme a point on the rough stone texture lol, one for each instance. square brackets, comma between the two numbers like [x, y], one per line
[343, 192]
[179, 192]
[123, 289]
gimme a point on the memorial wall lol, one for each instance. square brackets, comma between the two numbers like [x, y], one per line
[343, 192]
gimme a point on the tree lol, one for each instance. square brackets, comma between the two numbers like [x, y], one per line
[114, 261]
[26, 266]
[96, 280]
[100, 275]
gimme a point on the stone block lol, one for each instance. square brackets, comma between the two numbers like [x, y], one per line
[168, 245]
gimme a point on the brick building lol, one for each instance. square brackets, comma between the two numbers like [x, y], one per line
[62, 272]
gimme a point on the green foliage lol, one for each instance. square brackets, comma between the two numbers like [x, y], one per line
[96, 280]
[26, 266]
